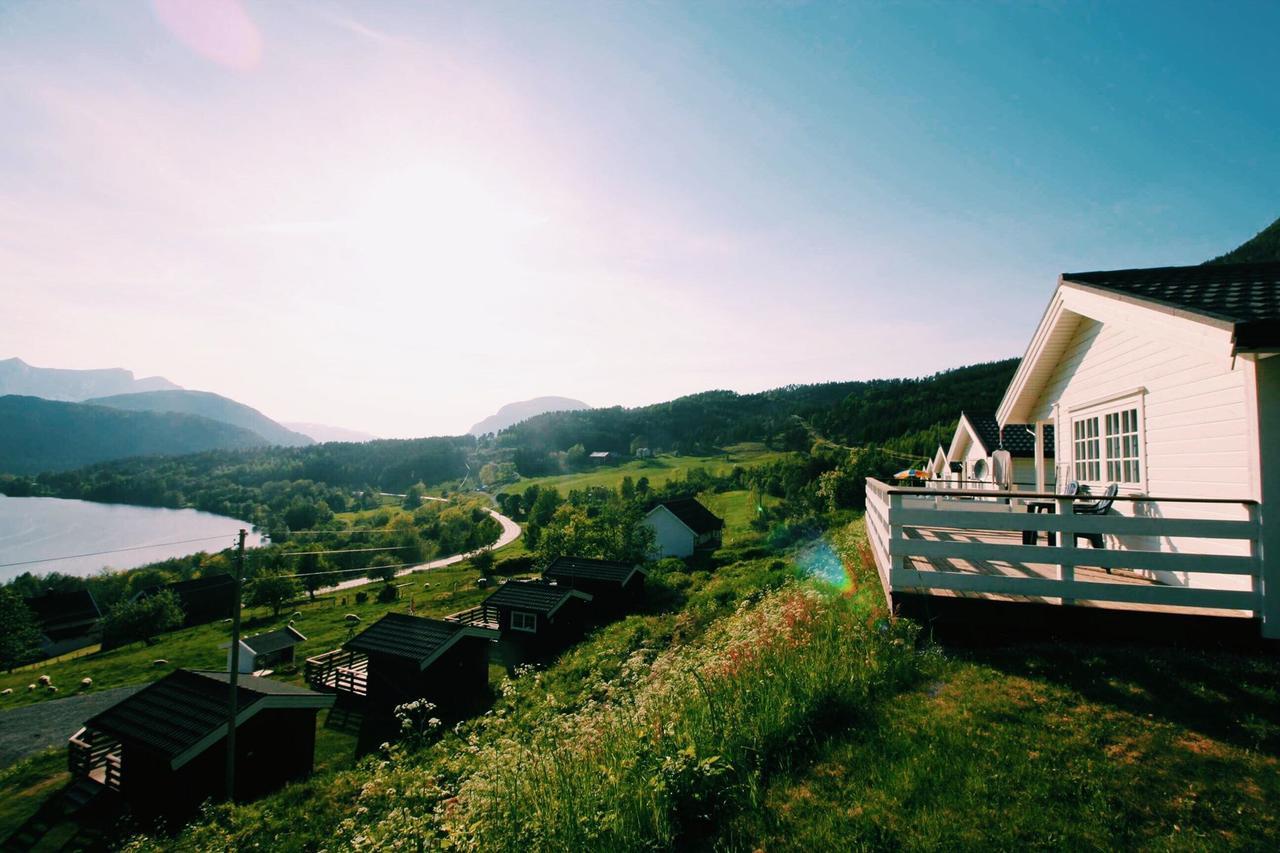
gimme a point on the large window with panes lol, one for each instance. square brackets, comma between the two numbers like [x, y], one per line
[1106, 444]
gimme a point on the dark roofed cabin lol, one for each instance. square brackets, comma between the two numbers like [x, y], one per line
[203, 600]
[164, 747]
[615, 586]
[272, 648]
[539, 614]
[412, 657]
[67, 620]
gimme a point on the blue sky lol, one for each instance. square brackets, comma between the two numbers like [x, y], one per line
[397, 217]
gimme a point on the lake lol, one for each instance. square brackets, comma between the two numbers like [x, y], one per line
[40, 528]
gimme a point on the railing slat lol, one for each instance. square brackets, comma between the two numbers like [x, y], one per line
[1119, 525]
[1179, 596]
[1160, 561]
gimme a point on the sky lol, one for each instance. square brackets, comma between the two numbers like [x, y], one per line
[396, 217]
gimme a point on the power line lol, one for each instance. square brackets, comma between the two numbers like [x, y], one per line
[114, 551]
[345, 551]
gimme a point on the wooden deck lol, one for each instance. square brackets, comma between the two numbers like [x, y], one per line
[1167, 555]
[1019, 569]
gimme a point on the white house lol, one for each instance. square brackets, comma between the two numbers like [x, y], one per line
[976, 441]
[681, 527]
[1162, 382]
[266, 650]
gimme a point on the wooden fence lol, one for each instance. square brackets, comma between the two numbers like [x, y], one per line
[338, 671]
[924, 540]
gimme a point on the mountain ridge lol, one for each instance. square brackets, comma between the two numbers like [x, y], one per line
[513, 413]
[72, 385]
[206, 404]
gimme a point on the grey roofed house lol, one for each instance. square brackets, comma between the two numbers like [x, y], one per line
[185, 712]
[569, 569]
[273, 641]
[694, 515]
[1243, 298]
[1018, 439]
[536, 596]
[415, 638]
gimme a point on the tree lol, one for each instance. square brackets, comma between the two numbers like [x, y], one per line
[19, 636]
[311, 567]
[382, 568]
[576, 458]
[273, 590]
[413, 496]
[627, 489]
[483, 561]
[141, 619]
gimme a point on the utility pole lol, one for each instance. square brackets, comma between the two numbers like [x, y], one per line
[233, 675]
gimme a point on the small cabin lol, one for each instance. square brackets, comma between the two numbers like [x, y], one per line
[271, 649]
[683, 527]
[413, 657]
[203, 600]
[974, 448]
[615, 586]
[67, 620]
[539, 613]
[164, 748]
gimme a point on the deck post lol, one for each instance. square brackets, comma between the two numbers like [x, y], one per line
[1040, 477]
[1267, 391]
[896, 561]
[1066, 541]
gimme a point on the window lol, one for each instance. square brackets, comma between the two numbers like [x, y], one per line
[1084, 437]
[521, 621]
[1122, 446]
[1106, 444]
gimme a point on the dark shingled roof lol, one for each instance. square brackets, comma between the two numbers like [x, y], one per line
[404, 636]
[1017, 440]
[274, 641]
[1242, 297]
[695, 516]
[586, 568]
[535, 595]
[65, 613]
[177, 712]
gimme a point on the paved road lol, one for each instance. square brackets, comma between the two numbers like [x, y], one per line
[35, 728]
[510, 533]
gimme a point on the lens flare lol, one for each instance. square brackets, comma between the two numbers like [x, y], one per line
[219, 30]
[819, 560]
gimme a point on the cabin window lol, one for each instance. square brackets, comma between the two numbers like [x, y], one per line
[1106, 444]
[521, 621]
[1084, 437]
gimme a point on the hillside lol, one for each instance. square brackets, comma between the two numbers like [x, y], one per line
[207, 405]
[513, 413]
[845, 412]
[1264, 246]
[18, 377]
[47, 435]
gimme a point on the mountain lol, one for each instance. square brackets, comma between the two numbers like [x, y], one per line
[206, 405]
[49, 435]
[51, 383]
[1265, 246]
[514, 413]
[324, 432]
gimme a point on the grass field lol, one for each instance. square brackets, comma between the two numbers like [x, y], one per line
[659, 469]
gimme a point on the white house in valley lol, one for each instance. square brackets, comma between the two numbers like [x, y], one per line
[681, 527]
[1161, 384]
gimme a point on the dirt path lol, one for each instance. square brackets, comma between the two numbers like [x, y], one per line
[35, 728]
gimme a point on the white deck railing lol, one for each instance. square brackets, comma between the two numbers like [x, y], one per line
[1208, 556]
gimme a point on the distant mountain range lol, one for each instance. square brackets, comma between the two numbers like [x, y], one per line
[513, 413]
[51, 383]
[323, 432]
[52, 435]
[206, 405]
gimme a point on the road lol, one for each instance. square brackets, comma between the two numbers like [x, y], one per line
[34, 728]
[510, 533]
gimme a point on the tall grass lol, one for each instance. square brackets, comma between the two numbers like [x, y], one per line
[678, 739]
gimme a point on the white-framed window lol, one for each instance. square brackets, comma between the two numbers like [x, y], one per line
[522, 621]
[1107, 442]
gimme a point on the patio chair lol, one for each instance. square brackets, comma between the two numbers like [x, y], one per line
[1029, 537]
[1099, 507]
